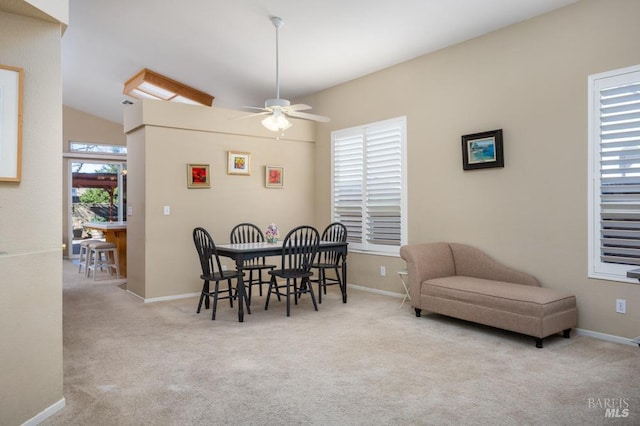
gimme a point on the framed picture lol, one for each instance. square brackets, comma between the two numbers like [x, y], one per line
[482, 150]
[274, 177]
[11, 81]
[238, 163]
[198, 176]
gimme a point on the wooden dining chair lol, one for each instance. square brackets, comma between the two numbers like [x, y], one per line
[212, 271]
[299, 249]
[330, 260]
[250, 233]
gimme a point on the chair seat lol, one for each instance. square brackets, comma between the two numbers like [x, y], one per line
[219, 276]
[291, 273]
[324, 265]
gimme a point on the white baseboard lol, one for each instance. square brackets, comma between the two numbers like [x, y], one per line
[604, 336]
[579, 331]
[45, 414]
[376, 291]
[163, 298]
[175, 297]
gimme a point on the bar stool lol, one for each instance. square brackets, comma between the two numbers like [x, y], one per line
[84, 256]
[102, 255]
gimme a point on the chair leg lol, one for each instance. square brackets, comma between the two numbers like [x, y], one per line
[324, 281]
[205, 289]
[289, 298]
[215, 300]
[339, 278]
[271, 284]
[250, 285]
[321, 283]
[230, 293]
[260, 281]
[313, 297]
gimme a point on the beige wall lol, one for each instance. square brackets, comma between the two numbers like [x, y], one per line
[530, 80]
[162, 138]
[30, 221]
[79, 126]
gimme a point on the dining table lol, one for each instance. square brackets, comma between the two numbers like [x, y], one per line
[241, 252]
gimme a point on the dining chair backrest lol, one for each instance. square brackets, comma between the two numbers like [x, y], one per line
[299, 248]
[246, 233]
[336, 233]
[209, 260]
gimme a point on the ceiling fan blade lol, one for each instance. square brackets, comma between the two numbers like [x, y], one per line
[298, 107]
[253, 115]
[308, 116]
[252, 107]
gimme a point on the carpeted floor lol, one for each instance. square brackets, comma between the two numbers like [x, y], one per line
[365, 362]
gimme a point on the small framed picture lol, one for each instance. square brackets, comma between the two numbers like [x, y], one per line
[11, 86]
[274, 177]
[482, 150]
[198, 176]
[238, 163]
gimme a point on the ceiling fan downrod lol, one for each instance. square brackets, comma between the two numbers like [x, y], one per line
[277, 22]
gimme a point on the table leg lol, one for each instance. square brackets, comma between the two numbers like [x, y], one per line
[241, 292]
[344, 280]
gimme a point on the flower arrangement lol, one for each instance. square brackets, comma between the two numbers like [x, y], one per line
[272, 233]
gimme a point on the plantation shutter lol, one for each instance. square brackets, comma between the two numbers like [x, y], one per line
[348, 191]
[368, 184]
[384, 185]
[619, 115]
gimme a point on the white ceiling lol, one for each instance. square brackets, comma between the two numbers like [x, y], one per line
[227, 47]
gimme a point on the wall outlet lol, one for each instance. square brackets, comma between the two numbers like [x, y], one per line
[383, 271]
[621, 306]
[167, 210]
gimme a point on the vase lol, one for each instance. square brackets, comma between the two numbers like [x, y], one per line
[272, 240]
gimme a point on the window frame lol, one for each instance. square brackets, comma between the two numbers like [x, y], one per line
[596, 267]
[365, 246]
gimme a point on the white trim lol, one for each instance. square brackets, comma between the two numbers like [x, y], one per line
[375, 290]
[595, 267]
[95, 156]
[45, 414]
[166, 298]
[604, 336]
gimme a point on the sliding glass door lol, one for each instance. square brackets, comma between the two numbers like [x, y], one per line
[97, 194]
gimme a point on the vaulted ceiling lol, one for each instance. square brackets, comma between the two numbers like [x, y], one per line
[227, 48]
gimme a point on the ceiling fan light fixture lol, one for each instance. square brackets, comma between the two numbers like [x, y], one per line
[276, 122]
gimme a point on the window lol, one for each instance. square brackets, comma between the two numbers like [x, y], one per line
[614, 174]
[369, 185]
[94, 148]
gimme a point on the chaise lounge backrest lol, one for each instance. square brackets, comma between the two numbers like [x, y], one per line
[437, 260]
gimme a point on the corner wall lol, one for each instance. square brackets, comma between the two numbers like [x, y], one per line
[31, 285]
[530, 80]
[162, 138]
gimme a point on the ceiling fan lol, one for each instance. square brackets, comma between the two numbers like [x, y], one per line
[278, 109]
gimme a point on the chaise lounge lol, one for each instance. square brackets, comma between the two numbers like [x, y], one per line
[463, 282]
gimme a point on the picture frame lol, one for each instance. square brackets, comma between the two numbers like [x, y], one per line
[11, 93]
[238, 163]
[482, 150]
[198, 176]
[274, 177]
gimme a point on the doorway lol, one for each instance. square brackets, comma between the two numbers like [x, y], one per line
[97, 193]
